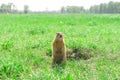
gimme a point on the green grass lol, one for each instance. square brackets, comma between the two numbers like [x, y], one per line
[25, 40]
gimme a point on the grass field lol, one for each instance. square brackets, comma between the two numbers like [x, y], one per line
[25, 46]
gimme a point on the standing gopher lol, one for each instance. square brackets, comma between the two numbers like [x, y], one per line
[58, 49]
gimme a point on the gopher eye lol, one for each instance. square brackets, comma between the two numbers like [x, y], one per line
[60, 35]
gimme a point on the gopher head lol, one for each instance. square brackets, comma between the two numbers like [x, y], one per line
[59, 36]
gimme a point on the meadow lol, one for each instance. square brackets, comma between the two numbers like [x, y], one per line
[25, 46]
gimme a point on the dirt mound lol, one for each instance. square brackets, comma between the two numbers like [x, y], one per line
[82, 53]
[76, 53]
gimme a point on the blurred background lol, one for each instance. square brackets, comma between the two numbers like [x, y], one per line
[61, 6]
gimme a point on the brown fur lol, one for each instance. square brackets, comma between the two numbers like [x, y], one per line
[58, 49]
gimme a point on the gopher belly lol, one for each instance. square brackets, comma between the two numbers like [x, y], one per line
[58, 58]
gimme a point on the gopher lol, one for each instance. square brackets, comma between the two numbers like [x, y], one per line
[58, 49]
